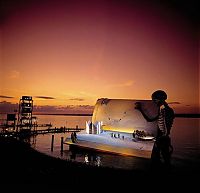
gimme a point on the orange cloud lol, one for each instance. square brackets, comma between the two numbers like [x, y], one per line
[14, 74]
[124, 84]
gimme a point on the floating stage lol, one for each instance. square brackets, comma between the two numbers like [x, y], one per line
[117, 127]
[108, 144]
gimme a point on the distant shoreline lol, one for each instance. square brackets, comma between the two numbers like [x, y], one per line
[64, 114]
[183, 115]
[187, 115]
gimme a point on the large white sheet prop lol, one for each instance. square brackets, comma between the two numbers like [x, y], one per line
[120, 115]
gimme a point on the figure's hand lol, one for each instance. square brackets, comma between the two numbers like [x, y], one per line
[138, 105]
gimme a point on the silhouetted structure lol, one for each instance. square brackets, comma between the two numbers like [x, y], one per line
[25, 113]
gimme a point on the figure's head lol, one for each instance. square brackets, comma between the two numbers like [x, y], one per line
[159, 97]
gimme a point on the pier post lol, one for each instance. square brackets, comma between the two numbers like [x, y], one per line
[61, 145]
[52, 142]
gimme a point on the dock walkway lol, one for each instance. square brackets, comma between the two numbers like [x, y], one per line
[6, 133]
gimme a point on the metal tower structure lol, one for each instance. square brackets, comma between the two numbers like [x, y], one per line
[25, 113]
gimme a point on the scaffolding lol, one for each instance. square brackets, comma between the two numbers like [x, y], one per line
[24, 121]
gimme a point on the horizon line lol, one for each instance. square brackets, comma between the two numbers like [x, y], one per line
[192, 115]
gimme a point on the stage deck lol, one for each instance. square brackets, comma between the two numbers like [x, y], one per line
[104, 143]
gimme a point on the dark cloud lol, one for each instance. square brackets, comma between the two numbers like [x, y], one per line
[174, 103]
[72, 109]
[7, 107]
[46, 108]
[85, 106]
[76, 99]
[44, 97]
[6, 97]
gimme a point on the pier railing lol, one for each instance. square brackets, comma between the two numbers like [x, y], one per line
[28, 132]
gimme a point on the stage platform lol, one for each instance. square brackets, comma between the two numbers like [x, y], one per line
[105, 143]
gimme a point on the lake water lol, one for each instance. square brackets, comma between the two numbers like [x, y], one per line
[185, 137]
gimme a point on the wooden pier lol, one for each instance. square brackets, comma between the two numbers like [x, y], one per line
[28, 132]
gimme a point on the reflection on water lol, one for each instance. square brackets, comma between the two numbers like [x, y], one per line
[85, 156]
[92, 159]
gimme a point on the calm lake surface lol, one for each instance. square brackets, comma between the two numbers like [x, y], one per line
[185, 137]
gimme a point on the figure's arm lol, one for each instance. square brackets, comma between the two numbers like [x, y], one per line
[138, 106]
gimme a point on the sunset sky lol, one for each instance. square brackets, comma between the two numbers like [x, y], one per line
[67, 54]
